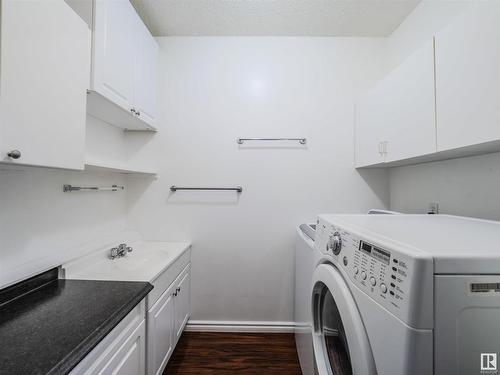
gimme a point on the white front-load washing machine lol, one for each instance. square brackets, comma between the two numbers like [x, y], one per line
[305, 259]
[406, 295]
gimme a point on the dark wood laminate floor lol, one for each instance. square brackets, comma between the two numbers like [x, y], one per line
[204, 353]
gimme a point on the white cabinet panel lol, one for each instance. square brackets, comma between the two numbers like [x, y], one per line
[410, 114]
[166, 322]
[146, 74]
[114, 50]
[468, 79]
[122, 351]
[371, 129]
[124, 67]
[161, 332]
[396, 119]
[45, 67]
[182, 302]
[130, 357]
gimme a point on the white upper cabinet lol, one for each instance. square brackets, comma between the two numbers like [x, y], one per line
[396, 119]
[114, 51]
[146, 75]
[44, 72]
[370, 128]
[468, 79]
[410, 108]
[124, 67]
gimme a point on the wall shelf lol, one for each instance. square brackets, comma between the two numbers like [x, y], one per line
[94, 165]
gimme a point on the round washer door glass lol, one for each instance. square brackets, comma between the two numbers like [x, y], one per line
[332, 331]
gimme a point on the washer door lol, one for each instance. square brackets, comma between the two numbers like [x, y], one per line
[341, 346]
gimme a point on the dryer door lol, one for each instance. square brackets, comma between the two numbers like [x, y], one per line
[340, 341]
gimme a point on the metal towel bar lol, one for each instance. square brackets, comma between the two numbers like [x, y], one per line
[302, 141]
[69, 188]
[174, 188]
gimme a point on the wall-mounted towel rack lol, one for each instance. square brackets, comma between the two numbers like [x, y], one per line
[302, 141]
[174, 188]
[69, 188]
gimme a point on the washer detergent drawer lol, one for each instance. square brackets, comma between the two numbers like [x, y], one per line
[467, 324]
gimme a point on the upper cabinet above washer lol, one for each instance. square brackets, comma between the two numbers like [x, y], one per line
[434, 112]
[468, 79]
[124, 67]
[396, 119]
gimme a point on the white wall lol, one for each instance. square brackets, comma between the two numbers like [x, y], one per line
[213, 90]
[467, 186]
[40, 226]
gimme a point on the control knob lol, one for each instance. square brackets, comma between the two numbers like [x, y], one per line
[383, 288]
[335, 243]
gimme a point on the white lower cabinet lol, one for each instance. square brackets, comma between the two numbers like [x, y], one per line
[166, 321]
[122, 351]
[161, 332]
[144, 340]
[182, 305]
[129, 359]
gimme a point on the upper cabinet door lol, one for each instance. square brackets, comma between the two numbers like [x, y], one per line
[370, 128]
[124, 67]
[45, 67]
[468, 79]
[114, 51]
[146, 74]
[396, 119]
[410, 106]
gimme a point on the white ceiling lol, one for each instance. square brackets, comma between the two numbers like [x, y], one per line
[273, 17]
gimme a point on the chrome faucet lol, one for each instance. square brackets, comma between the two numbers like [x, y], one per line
[120, 251]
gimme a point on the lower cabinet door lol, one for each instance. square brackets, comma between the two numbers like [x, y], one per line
[130, 357]
[182, 302]
[161, 332]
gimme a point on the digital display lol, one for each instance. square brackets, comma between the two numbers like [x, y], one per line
[379, 254]
[366, 247]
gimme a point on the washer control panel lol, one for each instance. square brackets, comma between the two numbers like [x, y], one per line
[380, 272]
[383, 273]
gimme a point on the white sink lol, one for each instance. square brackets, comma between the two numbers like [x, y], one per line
[158, 263]
[144, 263]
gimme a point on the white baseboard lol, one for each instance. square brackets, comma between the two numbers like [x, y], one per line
[239, 326]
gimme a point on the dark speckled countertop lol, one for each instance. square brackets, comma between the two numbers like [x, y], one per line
[48, 325]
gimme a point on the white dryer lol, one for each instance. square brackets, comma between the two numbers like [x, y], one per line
[406, 295]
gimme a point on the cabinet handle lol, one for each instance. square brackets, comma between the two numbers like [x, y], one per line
[14, 154]
[174, 294]
[133, 111]
[138, 113]
[178, 290]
